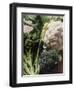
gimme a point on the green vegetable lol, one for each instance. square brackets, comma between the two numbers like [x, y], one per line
[48, 60]
[33, 44]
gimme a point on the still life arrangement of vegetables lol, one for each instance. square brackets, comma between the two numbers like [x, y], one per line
[43, 43]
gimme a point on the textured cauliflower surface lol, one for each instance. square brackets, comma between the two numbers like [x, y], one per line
[53, 35]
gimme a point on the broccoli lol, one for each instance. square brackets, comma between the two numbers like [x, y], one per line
[48, 60]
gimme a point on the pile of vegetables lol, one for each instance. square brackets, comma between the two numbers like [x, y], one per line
[38, 57]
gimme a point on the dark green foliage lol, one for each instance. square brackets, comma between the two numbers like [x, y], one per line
[32, 39]
[32, 42]
[48, 60]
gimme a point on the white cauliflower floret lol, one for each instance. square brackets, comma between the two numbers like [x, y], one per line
[53, 35]
[27, 29]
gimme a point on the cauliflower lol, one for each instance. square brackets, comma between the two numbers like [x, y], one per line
[52, 35]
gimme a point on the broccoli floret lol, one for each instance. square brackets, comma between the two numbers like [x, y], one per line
[48, 59]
